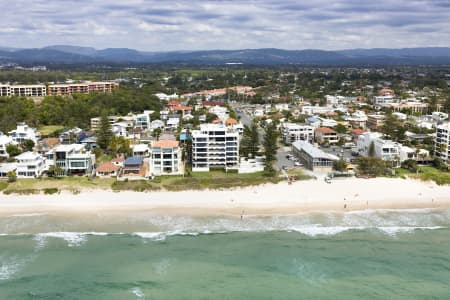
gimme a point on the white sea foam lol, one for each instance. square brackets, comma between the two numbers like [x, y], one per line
[73, 239]
[11, 265]
[138, 293]
[30, 215]
[320, 230]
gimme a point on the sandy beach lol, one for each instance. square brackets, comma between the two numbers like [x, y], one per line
[270, 199]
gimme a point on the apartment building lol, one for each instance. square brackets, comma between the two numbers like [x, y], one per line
[297, 132]
[30, 165]
[385, 149]
[375, 122]
[33, 90]
[165, 158]
[72, 159]
[215, 145]
[442, 142]
[24, 132]
[387, 99]
[81, 88]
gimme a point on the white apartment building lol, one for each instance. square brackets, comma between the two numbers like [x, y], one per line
[30, 165]
[4, 142]
[385, 149]
[72, 159]
[388, 99]
[297, 132]
[215, 145]
[165, 158]
[143, 120]
[24, 132]
[34, 90]
[442, 142]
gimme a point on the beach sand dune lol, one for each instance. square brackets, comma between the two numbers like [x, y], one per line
[269, 199]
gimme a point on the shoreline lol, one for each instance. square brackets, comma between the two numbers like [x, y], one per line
[264, 200]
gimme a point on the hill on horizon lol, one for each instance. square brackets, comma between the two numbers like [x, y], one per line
[67, 54]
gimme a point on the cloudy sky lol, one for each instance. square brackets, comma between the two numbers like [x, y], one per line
[225, 24]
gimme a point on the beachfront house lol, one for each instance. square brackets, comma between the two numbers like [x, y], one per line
[5, 141]
[5, 168]
[72, 159]
[385, 149]
[30, 165]
[134, 168]
[215, 146]
[165, 158]
[313, 158]
[107, 169]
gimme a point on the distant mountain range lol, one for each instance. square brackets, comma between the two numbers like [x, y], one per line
[63, 54]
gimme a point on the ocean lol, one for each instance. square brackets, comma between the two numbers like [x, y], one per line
[383, 254]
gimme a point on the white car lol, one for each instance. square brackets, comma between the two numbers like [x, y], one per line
[297, 164]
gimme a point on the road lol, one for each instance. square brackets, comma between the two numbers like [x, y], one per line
[246, 119]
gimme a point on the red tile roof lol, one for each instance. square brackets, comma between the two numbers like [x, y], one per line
[231, 121]
[357, 131]
[107, 167]
[325, 130]
[165, 144]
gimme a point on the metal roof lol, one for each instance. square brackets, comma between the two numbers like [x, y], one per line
[313, 151]
[134, 161]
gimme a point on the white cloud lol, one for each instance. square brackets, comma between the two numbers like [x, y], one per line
[226, 24]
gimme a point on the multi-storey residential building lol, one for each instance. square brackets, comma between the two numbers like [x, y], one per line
[442, 142]
[215, 145]
[326, 135]
[81, 88]
[72, 159]
[4, 142]
[388, 99]
[385, 149]
[33, 90]
[143, 120]
[24, 132]
[297, 132]
[375, 122]
[29, 165]
[165, 158]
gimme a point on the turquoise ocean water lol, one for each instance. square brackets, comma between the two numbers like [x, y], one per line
[361, 255]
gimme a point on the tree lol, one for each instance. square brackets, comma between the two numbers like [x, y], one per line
[104, 133]
[270, 147]
[12, 150]
[410, 164]
[340, 165]
[371, 152]
[339, 128]
[12, 176]
[371, 166]
[55, 171]
[250, 141]
[156, 133]
[119, 145]
[27, 145]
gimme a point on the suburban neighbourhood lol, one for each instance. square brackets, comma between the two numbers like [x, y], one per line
[369, 130]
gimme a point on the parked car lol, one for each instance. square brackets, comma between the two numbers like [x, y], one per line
[297, 164]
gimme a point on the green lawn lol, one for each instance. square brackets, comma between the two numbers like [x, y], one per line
[426, 173]
[197, 181]
[49, 129]
[73, 184]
